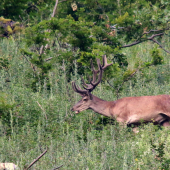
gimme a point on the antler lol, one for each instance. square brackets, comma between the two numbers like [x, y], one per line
[105, 64]
[77, 88]
[93, 83]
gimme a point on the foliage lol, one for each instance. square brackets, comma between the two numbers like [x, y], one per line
[157, 58]
[6, 108]
[42, 119]
[161, 155]
[27, 11]
[40, 70]
[91, 30]
[35, 102]
[11, 9]
[9, 27]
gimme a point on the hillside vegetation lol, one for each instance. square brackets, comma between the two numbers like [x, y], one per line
[33, 121]
[43, 49]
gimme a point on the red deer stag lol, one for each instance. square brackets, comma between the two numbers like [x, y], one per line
[128, 110]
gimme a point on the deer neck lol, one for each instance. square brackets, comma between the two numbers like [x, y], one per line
[101, 106]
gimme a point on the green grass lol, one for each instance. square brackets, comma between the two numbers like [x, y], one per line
[35, 121]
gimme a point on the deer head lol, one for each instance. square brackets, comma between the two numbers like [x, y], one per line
[87, 98]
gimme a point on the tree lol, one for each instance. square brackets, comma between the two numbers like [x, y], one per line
[27, 11]
[83, 30]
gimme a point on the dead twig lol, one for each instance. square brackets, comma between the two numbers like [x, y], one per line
[154, 31]
[48, 58]
[160, 45]
[41, 50]
[32, 66]
[58, 167]
[42, 109]
[36, 160]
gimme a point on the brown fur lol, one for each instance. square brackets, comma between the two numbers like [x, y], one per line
[130, 110]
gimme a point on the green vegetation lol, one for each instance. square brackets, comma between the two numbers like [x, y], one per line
[32, 121]
[38, 65]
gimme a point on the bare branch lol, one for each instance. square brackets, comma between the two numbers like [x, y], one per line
[160, 45]
[55, 8]
[42, 109]
[32, 66]
[132, 44]
[36, 159]
[151, 38]
[58, 167]
[155, 31]
[155, 35]
[41, 50]
[110, 84]
[48, 58]
[140, 41]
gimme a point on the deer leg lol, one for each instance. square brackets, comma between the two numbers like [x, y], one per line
[165, 123]
[166, 120]
[134, 127]
[135, 130]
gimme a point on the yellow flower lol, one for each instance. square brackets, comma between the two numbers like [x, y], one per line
[136, 159]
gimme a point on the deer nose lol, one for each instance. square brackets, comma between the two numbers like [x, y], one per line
[72, 109]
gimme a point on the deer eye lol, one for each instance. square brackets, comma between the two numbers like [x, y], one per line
[85, 100]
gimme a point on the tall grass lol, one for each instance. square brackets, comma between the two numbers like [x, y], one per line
[41, 120]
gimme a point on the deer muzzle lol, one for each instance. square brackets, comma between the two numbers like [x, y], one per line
[76, 111]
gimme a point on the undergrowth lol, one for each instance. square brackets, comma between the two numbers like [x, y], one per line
[34, 121]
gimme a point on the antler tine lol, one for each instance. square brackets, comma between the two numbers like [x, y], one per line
[85, 86]
[99, 77]
[83, 82]
[105, 64]
[94, 71]
[100, 70]
[90, 87]
[98, 63]
[77, 88]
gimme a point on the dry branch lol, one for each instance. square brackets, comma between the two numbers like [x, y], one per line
[58, 167]
[55, 8]
[36, 160]
[132, 44]
[160, 45]
[48, 58]
[151, 38]
[41, 50]
[32, 66]
[42, 109]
